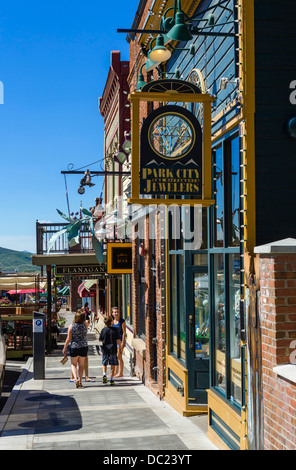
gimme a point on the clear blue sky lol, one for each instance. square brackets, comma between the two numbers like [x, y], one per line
[54, 61]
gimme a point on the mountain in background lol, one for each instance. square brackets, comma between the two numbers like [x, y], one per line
[10, 260]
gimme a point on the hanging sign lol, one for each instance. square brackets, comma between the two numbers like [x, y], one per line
[171, 148]
[119, 258]
[171, 153]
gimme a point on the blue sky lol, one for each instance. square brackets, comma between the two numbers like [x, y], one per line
[54, 61]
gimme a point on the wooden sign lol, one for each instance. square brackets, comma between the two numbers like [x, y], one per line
[171, 149]
[119, 258]
[171, 153]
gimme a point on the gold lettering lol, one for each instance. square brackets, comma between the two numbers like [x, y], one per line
[146, 172]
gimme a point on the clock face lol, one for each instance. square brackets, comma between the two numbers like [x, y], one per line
[171, 135]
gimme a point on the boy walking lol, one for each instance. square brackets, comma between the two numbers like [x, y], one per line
[110, 338]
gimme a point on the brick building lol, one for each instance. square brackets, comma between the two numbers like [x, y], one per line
[212, 330]
[148, 283]
[114, 108]
[277, 272]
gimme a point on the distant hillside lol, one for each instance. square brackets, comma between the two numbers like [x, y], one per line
[20, 260]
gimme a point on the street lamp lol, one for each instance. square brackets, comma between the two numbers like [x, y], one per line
[150, 64]
[81, 190]
[159, 53]
[180, 31]
[85, 181]
[141, 81]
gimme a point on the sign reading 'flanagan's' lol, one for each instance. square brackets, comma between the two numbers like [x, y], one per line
[171, 153]
[81, 270]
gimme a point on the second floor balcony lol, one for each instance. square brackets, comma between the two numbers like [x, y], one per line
[45, 231]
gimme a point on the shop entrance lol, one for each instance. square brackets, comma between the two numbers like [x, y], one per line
[197, 296]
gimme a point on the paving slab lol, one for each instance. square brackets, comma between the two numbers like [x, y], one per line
[51, 414]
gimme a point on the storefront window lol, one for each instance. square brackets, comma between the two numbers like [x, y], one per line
[219, 296]
[200, 259]
[177, 306]
[201, 310]
[173, 303]
[225, 269]
[234, 322]
[219, 195]
[235, 192]
[127, 298]
[181, 306]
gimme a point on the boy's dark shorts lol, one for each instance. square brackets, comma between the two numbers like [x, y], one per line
[82, 352]
[109, 358]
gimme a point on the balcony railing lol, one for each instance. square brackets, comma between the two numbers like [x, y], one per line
[44, 232]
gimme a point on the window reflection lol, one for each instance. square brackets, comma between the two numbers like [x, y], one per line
[181, 309]
[174, 304]
[235, 193]
[177, 305]
[220, 374]
[201, 310]
[234, 319]
[219, 195]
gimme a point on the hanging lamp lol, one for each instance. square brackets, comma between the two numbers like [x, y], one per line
[180, 31]
[160, 53]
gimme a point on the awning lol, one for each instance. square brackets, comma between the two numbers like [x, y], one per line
[20, 282]
[87, 289]
[82, 259]
[24, 291]
[89, 284]
[65, 291]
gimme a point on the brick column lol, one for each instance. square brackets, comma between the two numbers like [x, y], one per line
[278, 330]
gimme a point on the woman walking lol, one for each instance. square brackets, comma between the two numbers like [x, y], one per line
[119, 322]
[78, 346]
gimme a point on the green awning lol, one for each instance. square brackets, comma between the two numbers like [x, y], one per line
[65, 291]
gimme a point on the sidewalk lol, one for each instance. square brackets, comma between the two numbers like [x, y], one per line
[52, 414]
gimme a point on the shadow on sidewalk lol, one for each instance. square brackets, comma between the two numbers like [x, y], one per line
[55, 414]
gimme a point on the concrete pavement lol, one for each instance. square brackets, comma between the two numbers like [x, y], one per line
[51, 414]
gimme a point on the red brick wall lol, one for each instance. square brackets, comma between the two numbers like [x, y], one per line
[144, 367]
[278, 328]
[135, 287]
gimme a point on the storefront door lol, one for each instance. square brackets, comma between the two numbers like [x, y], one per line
[198, 334]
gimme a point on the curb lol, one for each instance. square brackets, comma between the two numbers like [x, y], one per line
[6, 411]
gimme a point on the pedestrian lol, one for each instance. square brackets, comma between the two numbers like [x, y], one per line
[87, 378]
[119, 323]
[110, 341]
[87, 313]
[78, 346]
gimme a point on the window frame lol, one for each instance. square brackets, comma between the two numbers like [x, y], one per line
[227, 250]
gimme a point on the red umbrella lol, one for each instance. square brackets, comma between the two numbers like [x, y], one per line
[24, 291]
